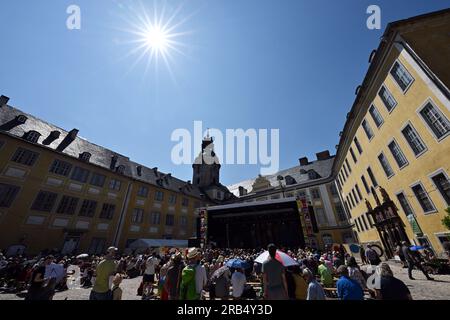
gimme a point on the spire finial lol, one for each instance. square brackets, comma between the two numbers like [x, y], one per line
[207, 133]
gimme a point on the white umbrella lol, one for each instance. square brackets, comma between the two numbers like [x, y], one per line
[285, 259]
[82, 256]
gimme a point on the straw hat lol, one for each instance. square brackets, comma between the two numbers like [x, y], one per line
[193, 253]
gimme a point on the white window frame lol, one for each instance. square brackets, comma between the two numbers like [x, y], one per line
[430, 101]
[365, 133]
[437, 234]
[435, 173]
[409, 203]
[395, 81]
[407, 161]
[379, 162]
[378, 111]
[428, 195]
[379, 97]
[407, 142]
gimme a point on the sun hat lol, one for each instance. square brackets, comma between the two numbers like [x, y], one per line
[193, 253]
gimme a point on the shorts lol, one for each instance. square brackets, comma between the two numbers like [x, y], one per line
[149, 278]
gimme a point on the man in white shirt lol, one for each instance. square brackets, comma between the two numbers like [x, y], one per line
[238, 281]
[149, 273]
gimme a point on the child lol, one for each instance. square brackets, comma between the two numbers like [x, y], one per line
[116, 290]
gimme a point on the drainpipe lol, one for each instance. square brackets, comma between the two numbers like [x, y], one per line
[122, 216]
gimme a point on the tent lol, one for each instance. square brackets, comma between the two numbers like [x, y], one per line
[158, 243]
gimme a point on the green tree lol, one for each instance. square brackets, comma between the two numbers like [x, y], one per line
[446, 220]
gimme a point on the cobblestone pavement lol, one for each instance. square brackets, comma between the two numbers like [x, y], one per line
[420, 288]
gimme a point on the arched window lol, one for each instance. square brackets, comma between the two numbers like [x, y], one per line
[290, 180]
[85, 156]
[32, 136]
[120, 169]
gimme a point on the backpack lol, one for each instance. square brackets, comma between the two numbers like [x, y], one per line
[188, 290]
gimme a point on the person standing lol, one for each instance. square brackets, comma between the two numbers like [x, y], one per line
[275, 286]
[37, 290]
[149, 275]
[116, 289]
[238, 281]
[301, 287]
[391, 288]
[355, 273]
[348, 289]
[325, 274]
[372, 256]
[105, 269]
[173, 278]
[412, 262]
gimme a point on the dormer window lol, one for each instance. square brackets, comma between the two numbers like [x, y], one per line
[312, 175]
[85, 156]
[120, 169]
[32, 136]
[290, 180]
[21, 119]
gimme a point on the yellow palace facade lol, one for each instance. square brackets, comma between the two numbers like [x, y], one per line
[396, 137]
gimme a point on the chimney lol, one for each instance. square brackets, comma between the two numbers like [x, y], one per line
[3, 101]
[324, 155]
[155, 171]
[242, 191]
[139, 170]
[67, 140]
[304, 161]
[51, 137]
[114, 159]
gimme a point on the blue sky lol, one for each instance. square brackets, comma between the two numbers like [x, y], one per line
[292, 65]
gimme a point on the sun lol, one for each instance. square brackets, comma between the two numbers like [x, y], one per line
[157, 39]
[155, 35]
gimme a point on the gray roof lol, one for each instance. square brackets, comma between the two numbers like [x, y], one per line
[322, 167]
[100, 156]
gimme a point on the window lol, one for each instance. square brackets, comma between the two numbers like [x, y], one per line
[32, 136]
[348, 166]
[354, 196]
[315, 194]
[372, 177]
[423, 198]
[120, 169]
[159, 196]
[348, 201]
[376, 116]
[340, 213]
[397, 153]
[366, 186]
[61, 168]
[80, 174]
[437, 122]
[97, 246]
[170, 220]
[44, 201]
[405, 204]
[320, 216]
[137, 216]
[358, 192]
[88, 208]
[25, 157]
[115, 184]
[367, 129]
[363, 218]
[387, 98]
[98, 180]
[185, 202]
[352, 200]
[443, 185]
[414, 140]
[143, 191]
[353, 155]
[155, 218]
[183, 221]
[107, 211]
[333, 189]
[7, 195]
[357, 225]
[346, 205]
[401, 76]
[358, 146]
[67, 205]
[385, 164]
[345, 170]
[85, 156]
[173, 199]
[339, 185]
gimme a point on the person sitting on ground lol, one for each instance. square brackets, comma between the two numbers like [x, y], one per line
[315, 290]
[348, 289]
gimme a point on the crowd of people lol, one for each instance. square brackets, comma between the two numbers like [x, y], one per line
[195, 274]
